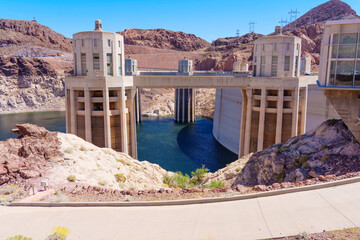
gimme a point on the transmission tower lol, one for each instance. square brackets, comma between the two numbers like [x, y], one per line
[283, 22]
[237, 32]
[252, 27]
[293, 15]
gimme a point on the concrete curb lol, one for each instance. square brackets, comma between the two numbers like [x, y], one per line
[187, 201]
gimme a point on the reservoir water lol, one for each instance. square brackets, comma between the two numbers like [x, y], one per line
[175, 147]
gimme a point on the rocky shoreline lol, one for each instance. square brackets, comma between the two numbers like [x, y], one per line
[79, 171]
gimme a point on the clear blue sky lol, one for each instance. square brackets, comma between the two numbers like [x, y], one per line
[207, 19]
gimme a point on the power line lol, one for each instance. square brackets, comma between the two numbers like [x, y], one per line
[252, 26]
[293, 15]
[283, 22]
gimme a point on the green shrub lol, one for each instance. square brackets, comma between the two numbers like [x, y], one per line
[323, 147]
[178, 180]
[71, 178]
[120, 177]
[198, 176]
[278, 150]
[280, 177]
[238, 169]
[215, 184]
[19, 237]
[301, 160]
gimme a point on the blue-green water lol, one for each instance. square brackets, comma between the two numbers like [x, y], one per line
[175, 147]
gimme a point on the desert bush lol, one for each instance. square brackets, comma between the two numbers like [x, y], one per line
[120, 177]
[323, 147]
[9, 189]
[178, 180]
[325, 158]
[71, 178]
[238, 169]
[301, 160]
[53, 159]
[82, 148]
[198, 176]
[215, 184]
[59, 233]
[280, 177]
[19, 237]
[102, 182]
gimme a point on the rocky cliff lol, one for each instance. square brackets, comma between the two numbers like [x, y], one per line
[19, 37]
[330, 10]
[29, 84]
[326, 153]
[164, 39]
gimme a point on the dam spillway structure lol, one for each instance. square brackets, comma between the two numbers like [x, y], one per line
[339, 75]
[185, 97]
[99, 97]
[101, 106]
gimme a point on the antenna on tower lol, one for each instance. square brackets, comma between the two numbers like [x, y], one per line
[283, 22]
[293, 15]
[252, 26]
[237, 32]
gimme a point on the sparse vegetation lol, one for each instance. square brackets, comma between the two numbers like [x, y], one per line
[301, 160]
[280, 177]
[53, 159]
[102, 182]
[198, 176]
[71, 178]
[325, 158]
[82, 148]
[323, 147]
[19, 237]
[238, 169]
[59, 233]
[215, 184]
[120, 178]
[69, 150]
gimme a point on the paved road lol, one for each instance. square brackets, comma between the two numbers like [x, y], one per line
[275, 216]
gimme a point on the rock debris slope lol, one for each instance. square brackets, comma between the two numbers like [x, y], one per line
[39, 154]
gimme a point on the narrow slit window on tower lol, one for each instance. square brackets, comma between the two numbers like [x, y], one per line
[274, 66]
[120, 64]
[109, 64]
[82, 42]
[275, 46]
[119, 44]
[96, 61]
[262, 66]
[109, 42]
[83, 64]
[95, 42]
[263, 47]
[287, 64]
[75, 64]
[288, 46]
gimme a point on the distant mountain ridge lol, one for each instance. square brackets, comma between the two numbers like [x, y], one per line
[25, 36]
[164, 39]
[330, 10]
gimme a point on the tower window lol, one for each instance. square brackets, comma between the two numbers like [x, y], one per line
[288, 46]
[275, 46]
[287, 64]
[274, 66]
[83, 64]
[109, 64]
[96, 61]
[82, 42]
[119, 44]
[109, 42]
[262, 66]
[120, 64]
[95, 42]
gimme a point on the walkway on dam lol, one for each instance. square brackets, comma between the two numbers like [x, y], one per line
[258, 218]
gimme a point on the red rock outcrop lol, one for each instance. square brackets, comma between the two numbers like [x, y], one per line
[29, 155]
[164, 39]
